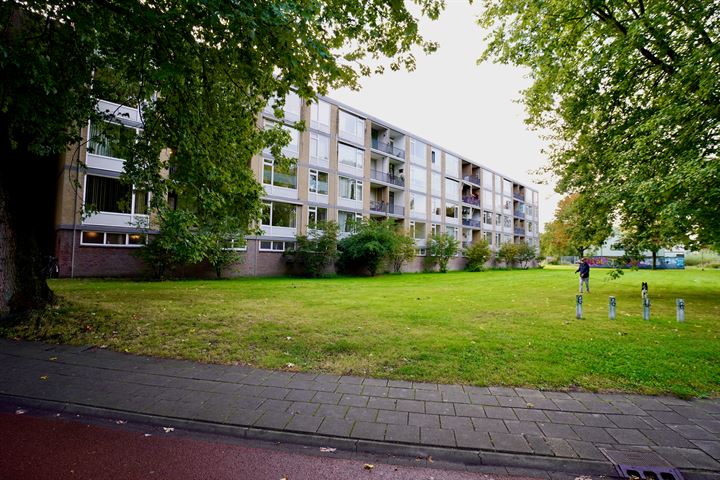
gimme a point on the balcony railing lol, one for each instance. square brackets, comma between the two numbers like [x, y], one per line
[519, 231]
[384, 207]
[387, 178]
[471, 200]
[384, 147]
[472, 179]
[469, 222]
[519, 196]
[519, 214]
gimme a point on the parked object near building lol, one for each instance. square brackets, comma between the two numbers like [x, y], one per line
[349, 165]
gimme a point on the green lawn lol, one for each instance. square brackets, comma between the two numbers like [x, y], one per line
[490, 328]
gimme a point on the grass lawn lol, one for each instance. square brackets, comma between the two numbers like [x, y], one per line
[491, 328]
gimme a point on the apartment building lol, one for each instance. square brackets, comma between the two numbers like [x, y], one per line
[349, 165]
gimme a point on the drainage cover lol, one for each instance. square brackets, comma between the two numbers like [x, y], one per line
[642, 465]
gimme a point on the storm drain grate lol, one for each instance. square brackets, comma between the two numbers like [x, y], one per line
[642, 465]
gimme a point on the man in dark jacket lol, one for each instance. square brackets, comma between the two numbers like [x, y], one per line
[584, 270]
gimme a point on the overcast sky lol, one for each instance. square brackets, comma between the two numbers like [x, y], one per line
[466, 108]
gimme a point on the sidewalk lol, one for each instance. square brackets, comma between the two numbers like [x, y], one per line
[522, 428]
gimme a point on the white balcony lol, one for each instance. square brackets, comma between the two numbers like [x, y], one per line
[112, 219]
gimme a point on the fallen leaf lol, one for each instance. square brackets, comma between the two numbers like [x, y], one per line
[530, 405]
[369, 466]
[20, 411]
[327, 449]
[44, 377]
[168, 429]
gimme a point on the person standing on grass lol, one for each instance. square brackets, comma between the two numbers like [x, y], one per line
[584, 270]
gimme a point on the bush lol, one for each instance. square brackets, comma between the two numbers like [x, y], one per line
[439, 251]
[525, 254]
[477, 254]
[508, 253]
[314, 252]
[370, 247]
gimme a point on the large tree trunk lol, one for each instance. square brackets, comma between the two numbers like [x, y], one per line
[25, 182]
[654, 259]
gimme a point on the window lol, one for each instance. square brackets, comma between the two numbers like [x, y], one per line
[451, 211]
[498, 201]
[111, 140]
[320, 115]
[507, 221]
[435, 160]
[507, 187]
[436, 202]
[498, 219]
[316, 215]
[420, 252]
[347, 221]
[350, 156]
[487, 218]
[418, 152]
[106, 194]
[452, 231]
[418, 230]
[318, 182]
[418, 203]
[350, 188]
[528, 210]
[530, 227]
[279, 174]
[507, 239]
[487, 179]
[277, 214]
[497, 239]
[292, 149]
[276, 246]
[351, 127]
[452, 165]
[418, 180]
[507, 204]
[434, 229]
[292, 106]
[319, 148]
[452, 189]
[436, 183]
[113, 239]
[487, 199]
[488, 237]
[498, 184]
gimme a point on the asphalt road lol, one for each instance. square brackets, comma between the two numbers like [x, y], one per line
[57, 446]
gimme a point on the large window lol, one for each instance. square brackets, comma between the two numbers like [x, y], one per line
[451, 210]
[292, 149]
[106, 194]
[277, 214]
[487, 179]
[318, 182]
[111, 140]
[320, 115]
[507, 187]
[113, 239]
[350, 188]
[276, 246]
[487, 199]
[348, 220]
[279, 174]
[452, 189]
[452, 165]
[418, 180]
[487, 218]
[418, 230]
[319, 148]
[436, 183]
[436, 202]
[351, 127]
[350, 156]
[507, 221]
[418, 152]
[452, 231]
[498, 184]
[418, 204]
[316, 215]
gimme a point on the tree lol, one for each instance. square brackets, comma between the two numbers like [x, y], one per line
[371, 245]
[477, 254]
[525, 254]
[201, 71]
[317, 250]
[440, 249]
[629, 91]
[508, 253]
[402, 251]
[575, 228]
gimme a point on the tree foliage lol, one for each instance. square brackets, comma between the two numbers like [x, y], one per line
[440, 249]
[314, 252]
[575, 228]
[526, 253]
[402, 251]
[371, 246]
[477, 254]
[630, 93]
[201, 72]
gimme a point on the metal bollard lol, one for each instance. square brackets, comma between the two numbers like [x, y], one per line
[611, 308]
[680, 306]
[578, 307]
[646, 308]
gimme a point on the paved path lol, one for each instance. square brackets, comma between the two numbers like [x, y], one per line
[493, 426]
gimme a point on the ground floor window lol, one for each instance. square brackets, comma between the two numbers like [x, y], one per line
[91, 237]
[276, 246]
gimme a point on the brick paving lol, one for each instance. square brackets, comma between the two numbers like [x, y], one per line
[518, 421]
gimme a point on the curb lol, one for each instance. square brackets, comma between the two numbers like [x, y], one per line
[537, 463]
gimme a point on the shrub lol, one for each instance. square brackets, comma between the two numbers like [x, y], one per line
[525, 254]
[315, 251]
[477, 254]
[508, 253]
[402, 251]
[440, 249]
[372, 244]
